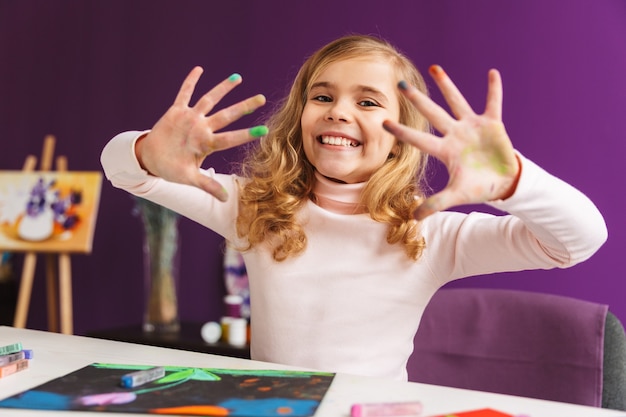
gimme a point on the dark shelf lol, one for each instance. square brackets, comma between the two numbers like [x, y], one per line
[188, 338]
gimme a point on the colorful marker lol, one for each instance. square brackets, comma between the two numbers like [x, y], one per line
[387, 409]
[135, 379]
[11, 357]
[15, 347]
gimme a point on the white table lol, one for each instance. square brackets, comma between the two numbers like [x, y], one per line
[59, 354]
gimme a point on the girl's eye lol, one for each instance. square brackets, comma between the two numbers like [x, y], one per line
[368, 103]
[322, 98]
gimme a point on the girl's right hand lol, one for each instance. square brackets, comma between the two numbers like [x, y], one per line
[185, 135]
[476, 149]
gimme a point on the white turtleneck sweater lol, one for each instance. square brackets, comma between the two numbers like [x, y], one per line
[351, 302]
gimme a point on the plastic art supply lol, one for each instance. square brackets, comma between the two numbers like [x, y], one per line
[238, 332]
[211, 332]
[225, 325]
[135, 379]
[14, 348]
[11, 357]
[13, 367]
[407, 409]
[233, 304]
[28, 353]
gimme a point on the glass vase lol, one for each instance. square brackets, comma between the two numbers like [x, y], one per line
[161, 267]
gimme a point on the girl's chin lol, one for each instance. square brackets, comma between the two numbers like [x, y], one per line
[331, 173]
[339, 173]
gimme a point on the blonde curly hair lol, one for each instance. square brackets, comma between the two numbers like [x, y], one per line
[280, 179]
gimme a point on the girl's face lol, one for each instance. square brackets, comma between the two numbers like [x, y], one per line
[342, 120]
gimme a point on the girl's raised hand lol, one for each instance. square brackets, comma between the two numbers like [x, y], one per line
[482, 165]
[185, 135]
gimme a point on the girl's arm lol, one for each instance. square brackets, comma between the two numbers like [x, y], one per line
[552, 224]
[123, 170]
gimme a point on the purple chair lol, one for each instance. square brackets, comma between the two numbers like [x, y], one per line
[522, 343]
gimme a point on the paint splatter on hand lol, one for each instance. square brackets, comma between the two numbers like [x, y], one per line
[185, 135]
[475, 148]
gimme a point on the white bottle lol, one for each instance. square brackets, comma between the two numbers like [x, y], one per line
[238, 332]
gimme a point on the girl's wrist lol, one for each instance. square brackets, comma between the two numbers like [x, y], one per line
[511, 190]
[138, 150]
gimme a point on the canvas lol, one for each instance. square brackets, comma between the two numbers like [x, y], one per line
[48, 211]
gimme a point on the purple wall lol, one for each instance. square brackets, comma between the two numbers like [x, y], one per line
[85, 70]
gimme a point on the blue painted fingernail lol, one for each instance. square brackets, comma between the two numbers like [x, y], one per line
[403, 85]
[234, 77]
[258, 131]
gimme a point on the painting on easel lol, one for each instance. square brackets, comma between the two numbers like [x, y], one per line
[43, 211]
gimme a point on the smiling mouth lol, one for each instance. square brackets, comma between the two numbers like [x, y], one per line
[338, 141]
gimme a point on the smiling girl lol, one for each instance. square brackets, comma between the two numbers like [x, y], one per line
[343, 247]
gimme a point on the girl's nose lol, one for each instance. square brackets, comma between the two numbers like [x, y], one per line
[337, 113]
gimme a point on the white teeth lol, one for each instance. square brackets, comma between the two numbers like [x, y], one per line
[338, 141]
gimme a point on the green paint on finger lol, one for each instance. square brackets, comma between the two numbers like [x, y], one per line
[234, 77]
[258, 131]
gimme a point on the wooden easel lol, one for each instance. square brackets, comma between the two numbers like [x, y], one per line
[64, 281]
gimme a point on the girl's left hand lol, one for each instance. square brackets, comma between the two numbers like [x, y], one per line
[475, 148]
